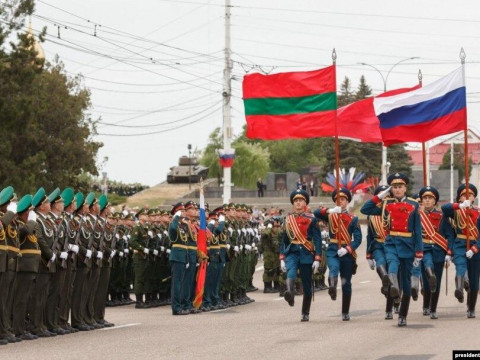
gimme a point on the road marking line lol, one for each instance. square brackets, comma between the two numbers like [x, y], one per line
[364, 282]
[120, 326]
[219, 310]
[259, 268]
[280, 298]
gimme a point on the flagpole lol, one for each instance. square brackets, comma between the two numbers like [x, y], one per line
[465, 137]
[424, 157]
[337, 148]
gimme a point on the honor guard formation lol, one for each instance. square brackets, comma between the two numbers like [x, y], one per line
[64, 256]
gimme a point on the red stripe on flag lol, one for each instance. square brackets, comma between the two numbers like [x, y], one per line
[200, 284]
[427, 130]
[296, 126]
[289, 84]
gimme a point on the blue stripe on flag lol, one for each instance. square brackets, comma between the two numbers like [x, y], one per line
[425, 111]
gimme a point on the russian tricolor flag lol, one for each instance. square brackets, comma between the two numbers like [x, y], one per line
[202, 254]
[420, 115]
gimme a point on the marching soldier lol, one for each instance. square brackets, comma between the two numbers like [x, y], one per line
[341, 255]
[27, 266]
[300, 249]
[437, 235]
[164, 270]
[467, 223]
[269, 243]
[403, 244]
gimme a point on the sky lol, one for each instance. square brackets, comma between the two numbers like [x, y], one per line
[155, 68]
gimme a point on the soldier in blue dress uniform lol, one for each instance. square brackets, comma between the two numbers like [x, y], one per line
[403, 244]
[437, 235]
[341, 255]
[376, 235]
[300, 249]
[467, 222]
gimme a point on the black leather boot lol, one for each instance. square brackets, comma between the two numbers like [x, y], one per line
[322, 284]
[426, 302]
[139, 304]
[267, 287]
[389, 308]
[394, 288]
[466, 284]
[332, 289]
[459, 283]
[283, 288]
[432, 279]
[414, 287]
[276, 287]
[433, 305]
[382, 273]
[471, 305]
[307, 301]
[290, 292]
[346, 306]
[402, 314]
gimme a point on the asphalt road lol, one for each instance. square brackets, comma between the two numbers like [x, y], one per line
[270, 329]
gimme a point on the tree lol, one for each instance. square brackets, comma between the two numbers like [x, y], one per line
[209, 156]
[346, 95]
[363, 90]
[458, 161]
[46, 138]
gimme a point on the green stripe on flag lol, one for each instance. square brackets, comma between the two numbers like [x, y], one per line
[291, 105]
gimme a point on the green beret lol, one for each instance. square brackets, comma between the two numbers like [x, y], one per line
[79, 200]
[142, 211]
[103, 202]
[24, 204]
[152, 212]
[39, 198]
[90, 199]
[67, 196]
[117, 215]
[55, 196]
[6, 195]
[130, 216]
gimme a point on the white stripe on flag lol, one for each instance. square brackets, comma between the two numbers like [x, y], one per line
[438, 88]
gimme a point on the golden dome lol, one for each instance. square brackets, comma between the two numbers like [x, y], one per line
[36, 45]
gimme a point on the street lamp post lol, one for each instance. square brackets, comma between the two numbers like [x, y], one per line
[385, 164]
[189, 147]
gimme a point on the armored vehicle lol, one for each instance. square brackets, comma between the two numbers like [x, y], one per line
[188, 170]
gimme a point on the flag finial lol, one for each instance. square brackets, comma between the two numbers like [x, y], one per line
[462, 56]
[334, 56]
[420, 76]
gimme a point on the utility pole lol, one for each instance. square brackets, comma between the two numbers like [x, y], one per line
[227, 92]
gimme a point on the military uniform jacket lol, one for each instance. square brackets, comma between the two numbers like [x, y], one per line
[60, 234]
[376, 234]
[437, 234]
[268, 241]
[308, 226]
[71, 229]
[11, 233]
[85, 241]
[402, 222]
[29, 261]
[5, 219]
[179, 232]
[139, 241]
[45, 233]
[213, 244]
[464, 219]
[221, 233]
[109, 241]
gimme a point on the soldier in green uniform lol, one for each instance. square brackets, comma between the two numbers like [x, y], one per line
[163, 265]
[58, 278]
[269, 243]
[45, 233]
[233, 253]
[253, 242]
[151, 257]
[117, 278]
[69, 225]
[139, 243]
[8, 238]
[128, 250]
[107, 248]
[27, 266]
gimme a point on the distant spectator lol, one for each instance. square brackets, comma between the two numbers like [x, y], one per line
[312, 187]
[299, 184]
[260, 187]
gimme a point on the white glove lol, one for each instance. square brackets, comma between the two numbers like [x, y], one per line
[324, 242]
[117, 236]
[124, 237]
[269, 226]
[248, 247]
[221, 218]
[129, 236]
[230, 230]
[197, 265]
[211, 222]
[371, 263]
[236, 249]
[315, 266]
[155, 252]
[63, 255]
[464, 204]
[73, 248]
[12, 207]
[384, 193]
[469, 254]
[253, 245]
[99, 255]
[448, 260]
[283, 266]
[88, 255]
[228, 246]
[120, 254]
[335, 210]
[239, 231]
[146, 251]
[342, 251]
[325, 234]
[244, 231]
[53, 258]
[165, 232]
[178, 214]
[159, 235]
[32, 215]
[112, 254]
[162, 248]
[126, 251]
[150, 233]
[416, 262]
[168, 251]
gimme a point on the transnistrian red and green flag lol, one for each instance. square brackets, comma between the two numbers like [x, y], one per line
[290, 105]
